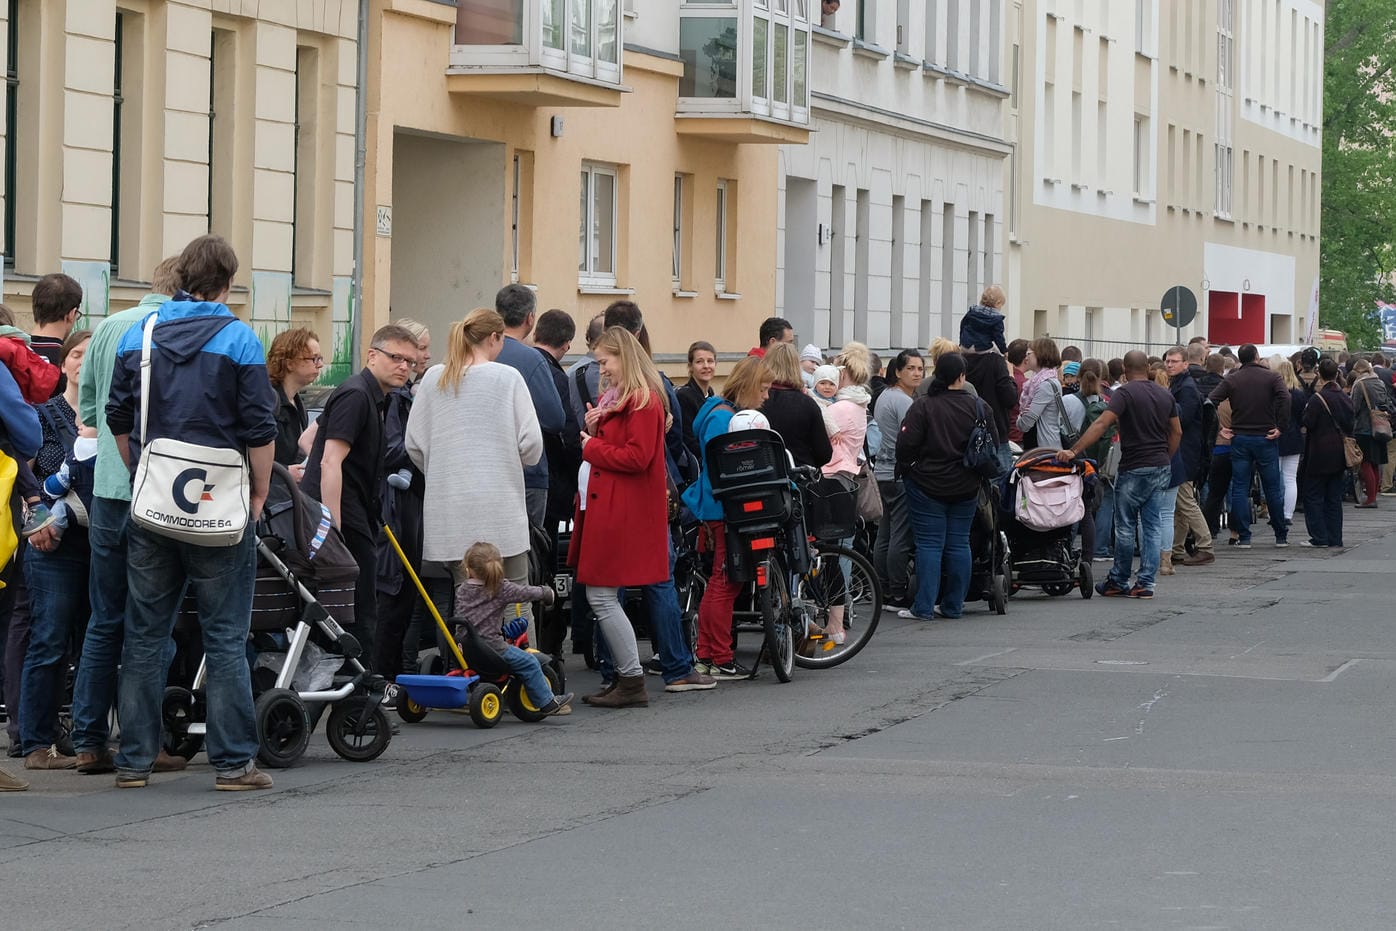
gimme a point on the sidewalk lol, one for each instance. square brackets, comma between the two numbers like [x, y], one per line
[1223, 756]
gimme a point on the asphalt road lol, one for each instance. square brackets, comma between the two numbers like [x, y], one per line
[1221, 757]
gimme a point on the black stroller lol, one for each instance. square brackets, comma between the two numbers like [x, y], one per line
[305, 661]
[990, 570]
[1044, 549]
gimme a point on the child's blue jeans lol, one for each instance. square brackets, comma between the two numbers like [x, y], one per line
[526, 666]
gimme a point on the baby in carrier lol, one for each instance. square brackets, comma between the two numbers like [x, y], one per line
[68, 492]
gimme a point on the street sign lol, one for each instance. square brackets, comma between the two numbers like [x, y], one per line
[1179, 306]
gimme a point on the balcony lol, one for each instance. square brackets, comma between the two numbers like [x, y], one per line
[539, 53]
[746, 70]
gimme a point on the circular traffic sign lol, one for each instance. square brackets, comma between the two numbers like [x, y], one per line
[1179, 306]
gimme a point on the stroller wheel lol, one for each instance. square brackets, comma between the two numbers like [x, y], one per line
[283, 730]
[998, 595]
[1087, 579]
[358, 729]
[486, 705]
[180, 708]
[1057, 589]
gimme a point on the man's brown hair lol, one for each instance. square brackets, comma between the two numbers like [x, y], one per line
[206, 267]
[165, 278]
[54, 297]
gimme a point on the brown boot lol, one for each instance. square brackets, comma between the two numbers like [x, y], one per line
[1165, 563]
[169, 763]
[606, 689]
[629, 692]
[1201, 558]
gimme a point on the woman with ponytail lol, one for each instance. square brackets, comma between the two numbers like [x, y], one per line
[941, 494]
[471, 432]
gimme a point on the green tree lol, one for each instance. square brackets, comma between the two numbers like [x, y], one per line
[1356, 255]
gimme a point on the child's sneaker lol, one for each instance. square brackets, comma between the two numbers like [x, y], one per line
[39, 518]
[561, 704]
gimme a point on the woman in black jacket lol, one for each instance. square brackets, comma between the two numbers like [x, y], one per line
[941, 494]
[792, 413]
[702, 367]
[1328, 418]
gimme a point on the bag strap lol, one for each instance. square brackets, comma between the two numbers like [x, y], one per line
[1063, 421]
[1331, 416]
[59, 425]
[145, 374]
[583, 392]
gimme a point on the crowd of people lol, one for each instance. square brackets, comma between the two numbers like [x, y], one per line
[506, 446]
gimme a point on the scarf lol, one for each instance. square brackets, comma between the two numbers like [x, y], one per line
[858, 394]
[1030, 386]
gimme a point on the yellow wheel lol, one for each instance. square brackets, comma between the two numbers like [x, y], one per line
[486, 706]
[521, 705]
[408, 710]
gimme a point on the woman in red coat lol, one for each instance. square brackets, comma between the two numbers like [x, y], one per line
[622, 536]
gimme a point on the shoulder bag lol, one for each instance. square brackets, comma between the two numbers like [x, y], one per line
[1064, 429]
[1381, 420]
[1352, 453]
[981, 452]
[185, 491]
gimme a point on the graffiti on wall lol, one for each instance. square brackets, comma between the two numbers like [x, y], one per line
[95, 278]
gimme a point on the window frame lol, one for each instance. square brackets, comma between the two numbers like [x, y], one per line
[721, 223]
[587, 273]
[676, 266]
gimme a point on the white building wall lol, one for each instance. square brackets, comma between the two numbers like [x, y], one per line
[904, 128]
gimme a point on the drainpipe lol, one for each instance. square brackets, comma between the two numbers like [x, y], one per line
[360, 163]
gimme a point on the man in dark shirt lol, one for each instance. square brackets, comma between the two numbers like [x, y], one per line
[1187, 513]
[1259, 405]
[345, 467]
[517, 305]
[1149, 435]
[57, 302]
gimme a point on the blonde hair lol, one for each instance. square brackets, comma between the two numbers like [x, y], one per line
[993, 296]
[418, 329]
[746, 381]
[1286, 370]
[639, 379]
[940, 346]
[483, 563]
[783, 361]
[856, 362]
[466, 336]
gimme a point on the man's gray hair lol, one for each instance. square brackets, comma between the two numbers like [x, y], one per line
[515, 302]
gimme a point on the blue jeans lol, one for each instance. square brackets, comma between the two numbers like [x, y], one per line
[1140, 495]
[666, 630]
[221, 578]
[58, 607]
[1105, 520]
[94, 692]
[942, 543]
[1262, 455]
[529, 670]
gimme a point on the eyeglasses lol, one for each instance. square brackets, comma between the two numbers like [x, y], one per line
[318, 360]
[395, 357]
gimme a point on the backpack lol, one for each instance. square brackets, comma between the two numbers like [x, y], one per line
[1105, 452]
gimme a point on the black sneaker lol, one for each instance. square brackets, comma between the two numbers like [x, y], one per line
[729, 670]
[1282, 540]
[561, 704]
[654, 667]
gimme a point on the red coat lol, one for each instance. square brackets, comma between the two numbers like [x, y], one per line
[622, 539]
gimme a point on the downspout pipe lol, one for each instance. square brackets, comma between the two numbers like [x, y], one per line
[360, 170]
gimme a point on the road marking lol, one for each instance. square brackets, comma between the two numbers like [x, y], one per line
[979, 659]
[1340, 670]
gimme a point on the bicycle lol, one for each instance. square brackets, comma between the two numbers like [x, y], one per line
[797, 578]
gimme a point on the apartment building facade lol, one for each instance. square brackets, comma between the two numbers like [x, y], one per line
[1161, 143]
[591, 149]
[891, 219]
[133, 126]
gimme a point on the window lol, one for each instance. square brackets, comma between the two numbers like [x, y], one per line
[305, 177]
[11, 125]
[932, 33]
[904, 26]
[596, 262]
[995, 31]
[116, 101]
[975, 39]
[952, 35]
[515, 182]
[721, 231]
[865, 25]
[222, 68]
[1102, 137]
[1142, 186]
[1077, 136]
[580, 37]
[897, 265]
[678, 231]
[990, 240]
[1226, 44]
[1144, 26]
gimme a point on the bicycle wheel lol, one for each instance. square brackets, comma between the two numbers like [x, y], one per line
[779, 644]
[839, 576]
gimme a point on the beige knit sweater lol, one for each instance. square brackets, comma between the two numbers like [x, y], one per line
[472, 446]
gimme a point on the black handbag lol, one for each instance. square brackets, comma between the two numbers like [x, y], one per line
[982, 451]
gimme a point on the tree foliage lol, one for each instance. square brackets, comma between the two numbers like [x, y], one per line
[1356, 254]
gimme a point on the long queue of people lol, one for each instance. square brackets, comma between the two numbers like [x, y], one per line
[474, 464]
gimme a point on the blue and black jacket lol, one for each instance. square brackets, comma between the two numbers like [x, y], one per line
[208, 380]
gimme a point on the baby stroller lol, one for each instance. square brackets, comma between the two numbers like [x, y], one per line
[990, 570]
[305, 661]
[1043, 501]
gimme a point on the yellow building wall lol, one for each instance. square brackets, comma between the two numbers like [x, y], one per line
[409, 51]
